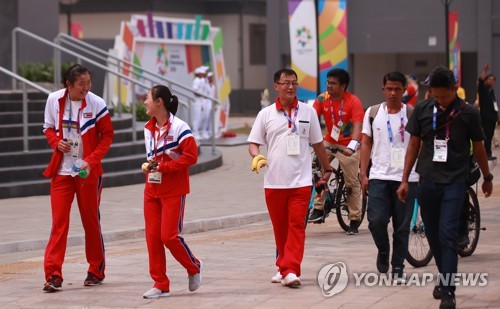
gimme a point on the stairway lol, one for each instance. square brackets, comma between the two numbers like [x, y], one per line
[21, 172]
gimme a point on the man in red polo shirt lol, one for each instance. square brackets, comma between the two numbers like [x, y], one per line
[343, 114]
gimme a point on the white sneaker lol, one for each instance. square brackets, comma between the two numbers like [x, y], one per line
[195, 280]
[291, 280]
[155, 293]
[205, 135]
[277, 278]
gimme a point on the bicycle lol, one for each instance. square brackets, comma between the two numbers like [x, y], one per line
[419, 253]
[336, 193]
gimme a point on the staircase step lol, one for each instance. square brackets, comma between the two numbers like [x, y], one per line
[17, 117]
[34, 172]
[15, 129]
[17, 105]
[11, 144]
[33, 157]
[111, 179]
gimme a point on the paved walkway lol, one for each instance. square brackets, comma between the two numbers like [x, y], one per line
[238, 259]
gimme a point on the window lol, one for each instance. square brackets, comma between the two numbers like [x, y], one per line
[257, 44]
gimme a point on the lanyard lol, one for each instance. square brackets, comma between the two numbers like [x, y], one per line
[447, 125]
[340, 123]
[71, 114]
[160, 136]
[401, 128]
[292, 121]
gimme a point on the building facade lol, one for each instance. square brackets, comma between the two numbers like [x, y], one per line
[383, 36]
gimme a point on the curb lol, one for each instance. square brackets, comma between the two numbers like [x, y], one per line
[190, 227]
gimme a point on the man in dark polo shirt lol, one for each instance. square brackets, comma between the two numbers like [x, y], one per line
[443, 126]
[488, 107]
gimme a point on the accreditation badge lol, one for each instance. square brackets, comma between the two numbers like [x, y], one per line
[154, 177]
[293, 144]
[335, 134]
[397, 157]
[440, 150]
[75, 146]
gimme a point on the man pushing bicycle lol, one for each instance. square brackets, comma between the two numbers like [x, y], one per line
[343, 114]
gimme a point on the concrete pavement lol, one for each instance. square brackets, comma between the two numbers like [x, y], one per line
[238, 265]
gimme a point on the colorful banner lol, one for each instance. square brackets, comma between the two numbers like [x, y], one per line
[303, 45]
[332, 38]
[455, 62]
[174, 48]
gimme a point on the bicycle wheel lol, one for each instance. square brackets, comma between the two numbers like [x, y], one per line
[419, 252]
[473, 223]
[342, 209]
[340, 206]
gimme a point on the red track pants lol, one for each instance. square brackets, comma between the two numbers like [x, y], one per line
[288, 209]
[88, 196]
[164, 219]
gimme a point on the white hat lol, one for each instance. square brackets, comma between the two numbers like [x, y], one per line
[210, 74]
[199, 70]
[205, 68]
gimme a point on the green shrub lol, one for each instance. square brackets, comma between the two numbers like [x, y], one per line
[36, 71]
[140, 111]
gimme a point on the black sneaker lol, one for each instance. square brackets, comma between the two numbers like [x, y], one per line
[353, 228]
[383, 262]
[448, 301]
[436, 293]
[316, 216]
[398, 275]
[92, 280]
[54, 284]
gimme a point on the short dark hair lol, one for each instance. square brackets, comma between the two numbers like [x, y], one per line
[442, 77]
[286, 72]
[395, 77]
[73, 72]
[170, 101]
[341, 75]
[490, 75]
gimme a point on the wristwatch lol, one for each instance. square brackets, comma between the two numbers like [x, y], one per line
[488, 178]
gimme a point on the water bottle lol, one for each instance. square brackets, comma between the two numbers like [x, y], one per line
[79, 170]
[172, 154]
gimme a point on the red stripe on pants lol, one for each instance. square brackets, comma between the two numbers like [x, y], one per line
[288, 209]
[88, 193]
[164, 218]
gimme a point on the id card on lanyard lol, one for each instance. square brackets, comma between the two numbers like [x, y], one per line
[335, 133]
[293, 138]
[155, 177]
[440, 145]
[73, 136]
[397, 152]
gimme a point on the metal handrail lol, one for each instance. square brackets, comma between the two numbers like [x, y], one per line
[105, 56]
[71, 41]
[25, 101]
[59, 48]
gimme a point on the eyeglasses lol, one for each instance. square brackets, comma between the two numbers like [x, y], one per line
[288, 83]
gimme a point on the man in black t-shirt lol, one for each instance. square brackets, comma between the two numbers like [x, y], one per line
[442, 128]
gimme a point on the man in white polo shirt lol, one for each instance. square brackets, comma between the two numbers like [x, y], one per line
[287, 127]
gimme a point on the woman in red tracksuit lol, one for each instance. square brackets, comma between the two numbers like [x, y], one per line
[171, 149]
[78, 126]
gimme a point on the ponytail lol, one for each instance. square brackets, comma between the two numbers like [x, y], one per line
[170, 101]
